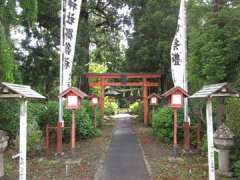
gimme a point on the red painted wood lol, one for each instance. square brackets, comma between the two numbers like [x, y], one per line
[102, 95]
[149, 84]
[145, 101]
[175, 128]
[47, 139]
[145, 84]
[73, 133]
[59, 147]
[123, 75]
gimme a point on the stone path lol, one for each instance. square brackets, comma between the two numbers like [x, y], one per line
[124, 159]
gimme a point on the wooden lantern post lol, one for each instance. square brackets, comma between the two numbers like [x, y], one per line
[154, 101]
[73, 97]
[207, 93]
[24, 94]
[94, 101]
[175, 98]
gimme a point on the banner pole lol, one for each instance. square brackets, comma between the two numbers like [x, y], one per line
[61, 63]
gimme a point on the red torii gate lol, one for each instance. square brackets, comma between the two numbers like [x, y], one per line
[102, 83]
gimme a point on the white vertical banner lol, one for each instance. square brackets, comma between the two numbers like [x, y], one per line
[71, 19]
[70, 12]
[179, 55]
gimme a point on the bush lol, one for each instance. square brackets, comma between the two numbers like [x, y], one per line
[164, 124]
[110, 106]
[140, 112]
[235, 159]
[233, 115]
[84, 118]
[134, 108]
[39, 114]
[9, 117]
[232, 121]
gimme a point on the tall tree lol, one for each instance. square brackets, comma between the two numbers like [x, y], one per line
[8, 19]
[99, 25]
[214, 39]
[99, 22]
[155, 24]
[213, 43]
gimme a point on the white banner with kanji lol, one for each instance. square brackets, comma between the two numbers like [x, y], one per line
[72, 13]
[179, 50]
[179, 56]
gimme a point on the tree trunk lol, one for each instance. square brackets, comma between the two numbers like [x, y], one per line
[82, 49]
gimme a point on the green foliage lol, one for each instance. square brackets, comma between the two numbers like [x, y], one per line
[235, 159]
[233, 114]
[9, 121]
[140, 112]
[39, 114]
[8, 19]
[236, 168]
[84, 118]
[204, 146]
[134, 108]
[232, 121]
[110, 106]
[164, 124]
[7, 62]
[155, 24]
[30, 10]
[213, 44]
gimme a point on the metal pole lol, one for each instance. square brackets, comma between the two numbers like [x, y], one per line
[23, 141]
[61, 63]
[211, 165]
[186, 115]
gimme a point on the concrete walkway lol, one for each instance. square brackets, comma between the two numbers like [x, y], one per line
[124, 159]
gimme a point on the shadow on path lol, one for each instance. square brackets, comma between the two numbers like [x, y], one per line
[124, 159]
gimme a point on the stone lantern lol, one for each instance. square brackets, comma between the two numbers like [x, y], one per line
[223, 141]
[3, 145]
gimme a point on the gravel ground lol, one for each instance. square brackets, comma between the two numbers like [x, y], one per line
[88, 154]
[161, 162]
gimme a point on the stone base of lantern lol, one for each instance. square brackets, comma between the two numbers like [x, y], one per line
[224, 174]
[1, 165]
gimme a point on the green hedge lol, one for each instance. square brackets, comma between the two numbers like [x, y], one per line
[41, 113]
[84, 118]
[164, 124]
[134, 108]
[9, 122]
[110, 106]
[233, 122]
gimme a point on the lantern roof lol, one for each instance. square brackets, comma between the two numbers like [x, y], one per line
[93, 96]
[174, 90]
[73, 90]
[18, 91]
[154, 95]
[215, 90]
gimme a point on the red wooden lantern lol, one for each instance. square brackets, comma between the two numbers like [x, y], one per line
[154, 99]
[73, 96]
[94, 99]
[175, 97]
